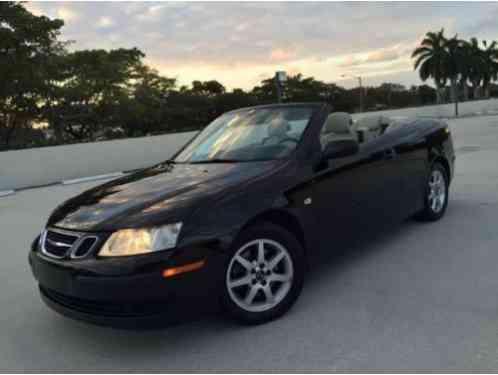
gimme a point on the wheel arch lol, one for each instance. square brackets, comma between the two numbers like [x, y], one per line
[444, 162]
[283, 219]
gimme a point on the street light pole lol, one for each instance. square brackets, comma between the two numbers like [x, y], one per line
[361, 93]
[360, 84]
[279, 79]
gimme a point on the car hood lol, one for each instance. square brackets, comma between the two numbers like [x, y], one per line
[165, 193]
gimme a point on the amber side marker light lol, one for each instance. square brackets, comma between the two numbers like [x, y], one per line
[169, 272]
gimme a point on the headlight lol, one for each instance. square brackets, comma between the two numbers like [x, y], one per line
[141, 241]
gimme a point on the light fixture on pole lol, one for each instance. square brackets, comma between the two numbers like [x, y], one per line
[280, 79]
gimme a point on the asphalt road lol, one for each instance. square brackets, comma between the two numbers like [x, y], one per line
[419, 297]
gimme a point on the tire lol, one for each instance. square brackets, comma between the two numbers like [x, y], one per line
[265, 293]
[436, 194]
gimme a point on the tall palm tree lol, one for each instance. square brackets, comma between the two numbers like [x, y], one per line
[490, 65]
[453, 63]
[475, 64]
[431, 57]
[466, 59]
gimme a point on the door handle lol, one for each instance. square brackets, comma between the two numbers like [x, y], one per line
[389, 154]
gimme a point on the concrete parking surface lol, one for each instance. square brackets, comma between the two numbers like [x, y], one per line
[420, 297]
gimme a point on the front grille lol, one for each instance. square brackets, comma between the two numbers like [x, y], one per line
[106, 308]
[60, 244]
[57, 244]
[60, 237]
[84, 247]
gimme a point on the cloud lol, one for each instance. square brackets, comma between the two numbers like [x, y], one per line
[242, 27]
[382, 56]
[238, 42]
[153, 13]
[105, 22]
[67, 14]
[349, 61]
[34, 8]
[281, 54]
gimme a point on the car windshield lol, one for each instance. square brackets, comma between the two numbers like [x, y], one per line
[249, 135]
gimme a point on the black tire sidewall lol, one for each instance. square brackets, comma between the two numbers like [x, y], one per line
[296, 252]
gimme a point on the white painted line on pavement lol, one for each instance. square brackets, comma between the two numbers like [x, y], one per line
[92, 178]
[6, 193]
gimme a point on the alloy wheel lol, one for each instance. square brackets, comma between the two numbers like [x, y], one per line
[259, 275]
[437, 191]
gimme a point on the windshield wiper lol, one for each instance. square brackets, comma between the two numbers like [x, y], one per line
[215, 160]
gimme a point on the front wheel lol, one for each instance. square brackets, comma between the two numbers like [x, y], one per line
[264, 275]
[436, 194]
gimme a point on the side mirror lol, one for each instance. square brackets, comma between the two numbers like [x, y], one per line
[340, 148]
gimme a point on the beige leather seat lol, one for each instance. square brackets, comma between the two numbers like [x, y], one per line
[337, 127]
[371, 127]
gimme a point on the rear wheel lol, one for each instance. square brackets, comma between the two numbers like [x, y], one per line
[264, 275]
[436, 194]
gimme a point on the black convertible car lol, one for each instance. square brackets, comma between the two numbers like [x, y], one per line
[236, 214]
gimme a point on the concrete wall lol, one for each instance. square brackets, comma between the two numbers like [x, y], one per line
[478, 107]
[40, 166]
[33, 167]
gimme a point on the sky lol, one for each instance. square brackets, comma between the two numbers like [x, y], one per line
[239, 44]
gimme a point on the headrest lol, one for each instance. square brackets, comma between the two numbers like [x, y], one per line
[372, 122]
[338, 123]
[278, 127]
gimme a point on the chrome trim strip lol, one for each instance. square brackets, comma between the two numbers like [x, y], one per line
[60, 244]
[78, 243]
[44, 239]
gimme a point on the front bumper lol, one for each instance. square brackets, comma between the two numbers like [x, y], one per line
[127, 291]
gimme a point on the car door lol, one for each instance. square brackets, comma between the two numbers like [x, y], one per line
[357, 193]
[385, 175]
[411, 165]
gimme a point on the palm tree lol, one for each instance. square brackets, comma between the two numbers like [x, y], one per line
[475, 64]
[466, 59]
[453, 63]
[490, 65]
[431, 58]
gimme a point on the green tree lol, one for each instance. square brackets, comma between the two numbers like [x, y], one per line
[228, 101]
[145, 110]
[297, 89]
[426, 94]
[94, 82]
[27, 42]
[208, 88]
